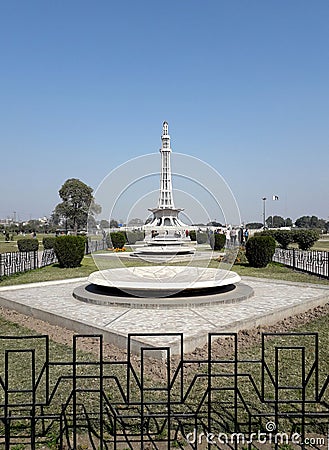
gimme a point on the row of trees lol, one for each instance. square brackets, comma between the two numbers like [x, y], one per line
[310, 222]
[28, 227]
[77, 209]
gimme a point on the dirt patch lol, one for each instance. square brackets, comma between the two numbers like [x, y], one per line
[222, 348]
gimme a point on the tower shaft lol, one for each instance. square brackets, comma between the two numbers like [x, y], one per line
[166, 196]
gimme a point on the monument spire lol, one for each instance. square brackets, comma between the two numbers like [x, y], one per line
[166, 197]
[165, 214]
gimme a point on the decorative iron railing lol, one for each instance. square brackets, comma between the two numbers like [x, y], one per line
[13, 262]
[278, 396]
[95, 246]
[314, 262]
[48, 257]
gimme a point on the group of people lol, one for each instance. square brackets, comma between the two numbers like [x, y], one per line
[235, 236]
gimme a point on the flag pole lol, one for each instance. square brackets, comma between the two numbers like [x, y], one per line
[264, 211]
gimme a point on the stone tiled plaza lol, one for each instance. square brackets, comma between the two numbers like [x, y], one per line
[54, 302]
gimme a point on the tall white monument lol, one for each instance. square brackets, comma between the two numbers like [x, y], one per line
[166, 215]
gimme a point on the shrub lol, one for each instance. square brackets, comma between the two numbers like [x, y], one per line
[217, 241]
[28, 245]
[48, 242]
[284, 237]
[260, 250]
[265, 233]
[305, 238]
[201, 238]
[134, 236]
[70, 250]
[116, 239]
[192, 234]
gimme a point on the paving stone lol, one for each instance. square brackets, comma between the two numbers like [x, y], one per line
[54, 302]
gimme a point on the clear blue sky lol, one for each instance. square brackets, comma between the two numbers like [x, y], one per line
[244, 85]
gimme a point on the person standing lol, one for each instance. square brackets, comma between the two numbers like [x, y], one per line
[246, 235]
[228, 237]
[233, 236]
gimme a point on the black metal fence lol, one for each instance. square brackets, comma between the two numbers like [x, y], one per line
[279, 396]
[314, 262]
[15, 262]
[95, 246]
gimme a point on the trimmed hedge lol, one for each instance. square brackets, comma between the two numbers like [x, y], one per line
[284, 238]
[192, 234]
[217, 241]
[201, 237]
[70, 250]
[260, 250]
[265, 233]
[48, 242]
[117, 239]
[28, 245]
[134, 236]
[305, 238]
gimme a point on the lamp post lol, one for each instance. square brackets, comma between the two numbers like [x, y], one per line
[264, 211]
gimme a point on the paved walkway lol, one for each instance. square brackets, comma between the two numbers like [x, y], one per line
[53, 302]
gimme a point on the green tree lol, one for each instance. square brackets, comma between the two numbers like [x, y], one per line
[275, 222]
[34, 225]
[288, 222]
[254, 225]
[214, 223]
[104, 224]
[310, 222]
[114, 223]
[321, 224]
[135, 222]
[303, 222]
[77, 201]
[54, 221]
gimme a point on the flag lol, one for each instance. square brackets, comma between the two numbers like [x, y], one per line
[275, 197]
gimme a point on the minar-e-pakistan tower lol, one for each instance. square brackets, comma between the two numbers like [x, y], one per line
[166, 215]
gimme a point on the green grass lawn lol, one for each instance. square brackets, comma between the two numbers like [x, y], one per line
[321, 245]
[49, 273]
[277, 271]
[11, 246]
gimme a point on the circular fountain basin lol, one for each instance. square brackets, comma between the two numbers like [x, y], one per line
[163, 240]
[163, 287]
[163, 278]
[164, 250]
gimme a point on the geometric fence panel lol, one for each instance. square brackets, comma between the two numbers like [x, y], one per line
[312, 261]
[275, 396]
